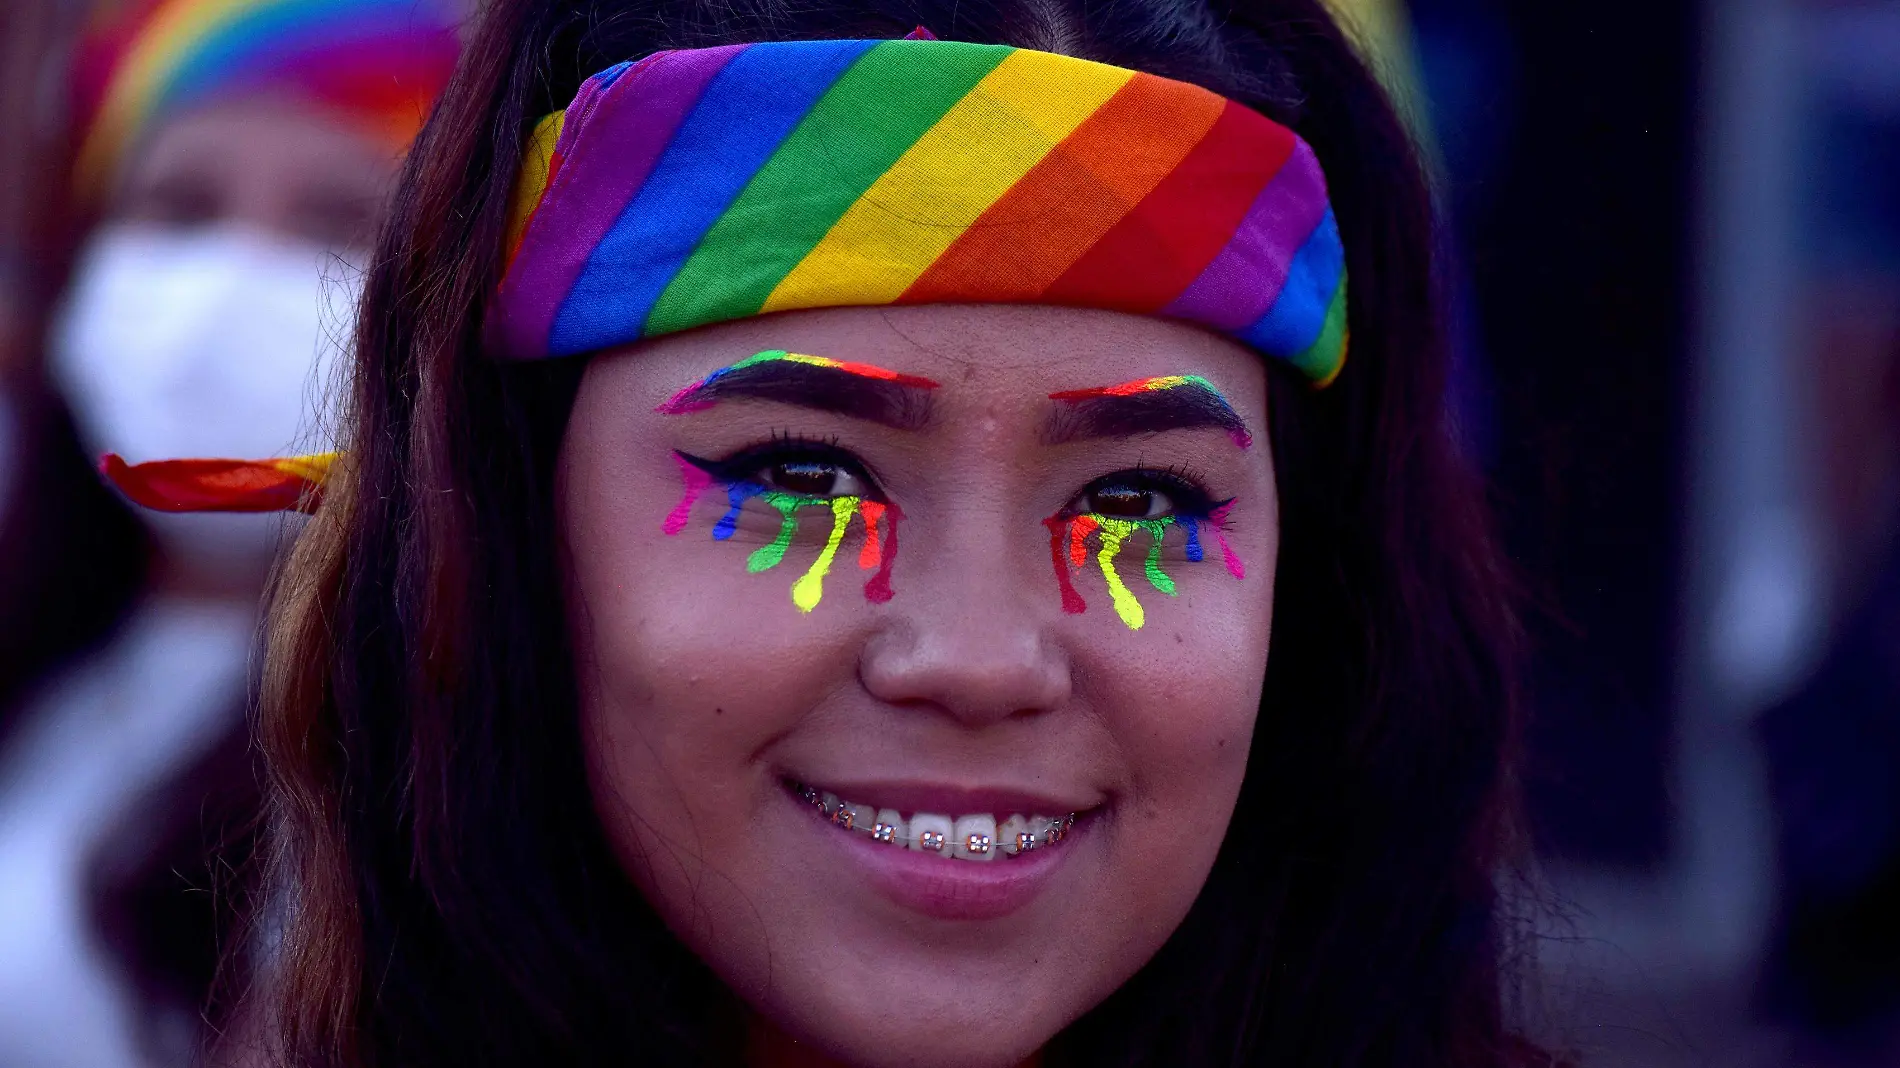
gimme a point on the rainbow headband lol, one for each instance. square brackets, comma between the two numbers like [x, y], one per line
[382, 61]
[706, 185]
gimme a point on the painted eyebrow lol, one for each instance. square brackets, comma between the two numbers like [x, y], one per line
[854, 390]
[1143, 406]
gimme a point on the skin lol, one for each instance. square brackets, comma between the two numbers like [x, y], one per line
[270, 163]
[703, 688]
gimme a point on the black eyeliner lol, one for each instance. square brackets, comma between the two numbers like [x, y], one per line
[746, 464]
[1192, 501]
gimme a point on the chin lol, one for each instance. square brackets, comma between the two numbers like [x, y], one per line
[889, 1033]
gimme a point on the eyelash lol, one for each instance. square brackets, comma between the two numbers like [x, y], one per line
[785, 447]
[1182, 484]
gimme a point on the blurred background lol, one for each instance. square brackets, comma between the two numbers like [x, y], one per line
[1674, 231]
[1677, 232]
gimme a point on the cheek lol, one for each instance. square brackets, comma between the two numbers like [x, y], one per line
[1181, 701]
[688, 664]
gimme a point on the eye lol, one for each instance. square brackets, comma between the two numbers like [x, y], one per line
[1127, 502]
[1142, 494]
[813, 478]
[179, 202]
[794, 466]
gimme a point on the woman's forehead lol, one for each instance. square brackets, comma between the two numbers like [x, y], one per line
[1025, 349]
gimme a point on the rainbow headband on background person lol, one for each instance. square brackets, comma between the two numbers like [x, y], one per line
[381, 62]
[705, 185]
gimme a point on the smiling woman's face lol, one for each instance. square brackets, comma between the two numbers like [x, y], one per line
[937, 678]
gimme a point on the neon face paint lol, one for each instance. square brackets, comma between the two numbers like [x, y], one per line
[1193, 526]
[695, 482]
[1079, 531]
[770, 556]
[1069, 549]
[736, 495]
[878, 590]
[871, 552]
[689, 399]
[1217, 519]
[1114, 534]
[1059, 529]
[810, 587]
[1152, 567]
[879, 552]
[1235, 428]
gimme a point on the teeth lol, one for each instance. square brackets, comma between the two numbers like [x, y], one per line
[856, 817]
[1010, 835]
[975, 838]
[891, 827]
[978, 838]
[930, 833]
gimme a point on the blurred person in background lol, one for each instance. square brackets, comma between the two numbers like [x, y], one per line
[230, 162]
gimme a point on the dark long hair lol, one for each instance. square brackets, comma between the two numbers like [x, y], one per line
[448, 894]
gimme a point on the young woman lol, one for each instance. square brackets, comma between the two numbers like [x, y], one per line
[1172, 725]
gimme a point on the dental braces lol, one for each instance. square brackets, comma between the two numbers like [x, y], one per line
[835, 810]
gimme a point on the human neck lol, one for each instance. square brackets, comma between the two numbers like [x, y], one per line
[769, 1047]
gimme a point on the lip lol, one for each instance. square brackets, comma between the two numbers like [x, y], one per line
[941, 888]
[953, 801]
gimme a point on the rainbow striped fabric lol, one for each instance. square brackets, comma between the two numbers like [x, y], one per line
[700, 186]
[290, 483]
[383, 61]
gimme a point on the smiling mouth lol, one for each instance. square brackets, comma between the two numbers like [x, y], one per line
[977, 838]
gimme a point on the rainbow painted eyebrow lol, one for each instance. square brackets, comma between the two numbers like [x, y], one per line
[1144, 406]
[859, 390]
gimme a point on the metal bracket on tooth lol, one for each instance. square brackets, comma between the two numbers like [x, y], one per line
[933, 841]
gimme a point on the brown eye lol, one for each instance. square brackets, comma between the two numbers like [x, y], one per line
[1118, 499]
[1124, 502]
[1143, 493]
[809, 478]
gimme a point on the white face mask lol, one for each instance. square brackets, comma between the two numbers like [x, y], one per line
[212, 343]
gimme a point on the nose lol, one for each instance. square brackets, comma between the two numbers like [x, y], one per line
[967, 635]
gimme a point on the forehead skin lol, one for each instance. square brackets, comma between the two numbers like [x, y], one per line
[273, 163]
[703, 687]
